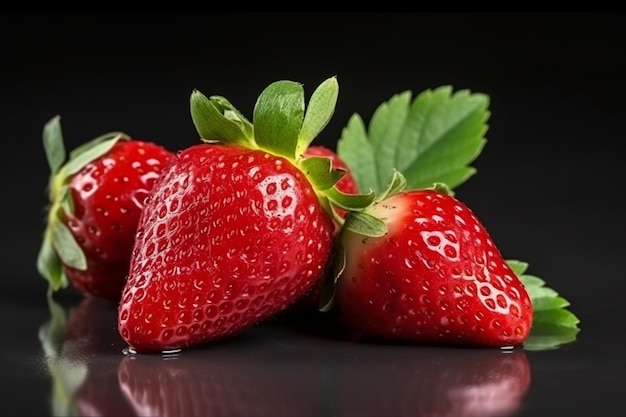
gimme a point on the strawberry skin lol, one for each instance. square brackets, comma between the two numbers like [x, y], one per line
[436, 276]
[230, 236]
[96, 197]
[108, 196]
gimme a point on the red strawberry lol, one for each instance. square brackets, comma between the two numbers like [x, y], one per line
[237, 228]
[96, 196]
[431, 274]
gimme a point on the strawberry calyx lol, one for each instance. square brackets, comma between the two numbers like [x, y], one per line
[283, 125]
[59, 247]
[365, 223]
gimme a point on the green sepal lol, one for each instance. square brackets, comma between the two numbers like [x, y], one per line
[318, 113]
[337, 265]
[89, 152]
[49, 266]
[397, 184]
[278, 116]
[53, 144]
[85, 147]
[320, 172]
[364, 224]
[352, 202]
[66, 246]
[217, 120]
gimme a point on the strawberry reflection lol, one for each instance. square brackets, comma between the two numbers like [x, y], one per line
[82, 349]
[304, 375]
[430, 381]
[236, 378]
[272, 370]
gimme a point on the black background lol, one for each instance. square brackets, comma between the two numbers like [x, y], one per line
[549, 181]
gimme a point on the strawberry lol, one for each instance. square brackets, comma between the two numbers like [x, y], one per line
[238, 227]
[420, 267]
[96, 195]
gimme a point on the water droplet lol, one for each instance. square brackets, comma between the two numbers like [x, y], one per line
[129, 351]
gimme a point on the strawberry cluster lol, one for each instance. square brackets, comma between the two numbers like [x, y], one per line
[254, 220]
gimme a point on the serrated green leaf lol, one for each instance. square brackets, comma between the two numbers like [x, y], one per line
[558, 317]
[318, 113]
[320, 172]
[531, 280]
[216, 120]
[546, 336]
[535, 292]
[278, 116]
[365, 224]
[358, 153]
[431, 139]
[549, 303]
[53, 144]
[519, 267]
[66, 246]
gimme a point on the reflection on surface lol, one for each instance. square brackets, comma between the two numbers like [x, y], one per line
[82, 349]
[272, 370]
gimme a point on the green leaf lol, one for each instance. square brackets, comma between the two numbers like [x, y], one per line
[278, 116]
[102, 138]
[320, 172]
[553, 324]
[519, 267]
[53, 144]
[90, 153]
[546, 336]
[216, 120]
[354, 202]
[49, 266]
[66, 246]
[430, 139]
[365, 224]
[318, 113]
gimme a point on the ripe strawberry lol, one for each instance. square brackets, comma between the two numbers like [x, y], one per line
[238, 227]
[96, 196]
[431, 274]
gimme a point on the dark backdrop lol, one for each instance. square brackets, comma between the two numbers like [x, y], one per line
[548, 184]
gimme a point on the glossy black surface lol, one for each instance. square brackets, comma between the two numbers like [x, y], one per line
[548, 187]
